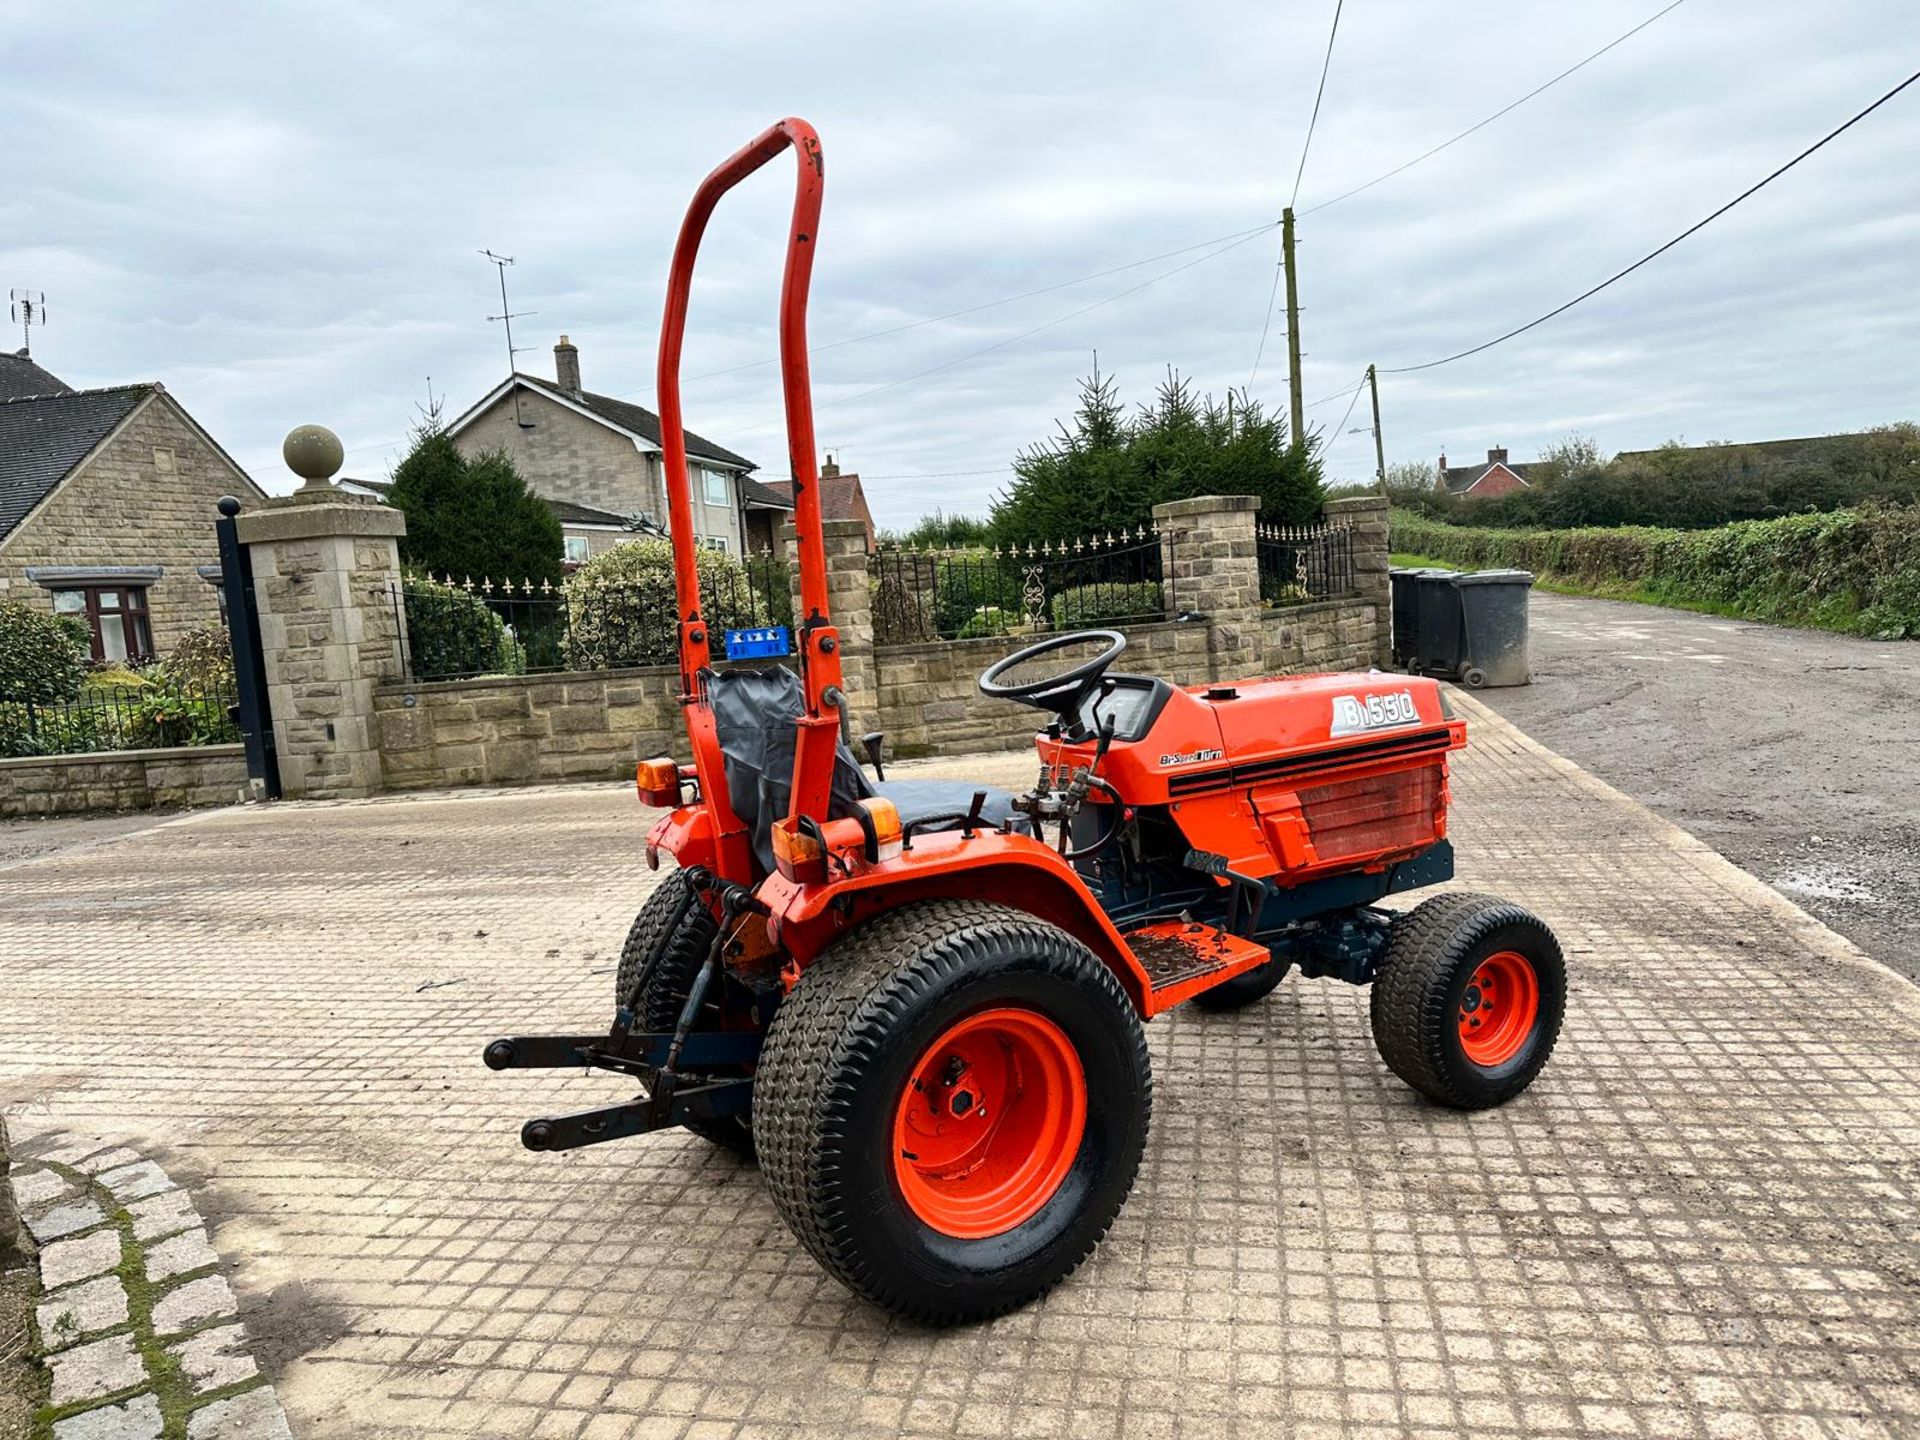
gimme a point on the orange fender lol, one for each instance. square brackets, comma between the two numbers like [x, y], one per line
[1010, 870]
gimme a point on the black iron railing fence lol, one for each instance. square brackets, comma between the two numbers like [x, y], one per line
[1304, 562]
[459, 628]
[155, 714]
[921, 595]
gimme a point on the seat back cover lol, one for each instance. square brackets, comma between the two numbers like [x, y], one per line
[753, 715]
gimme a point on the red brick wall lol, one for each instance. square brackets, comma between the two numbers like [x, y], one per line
[1497, 481]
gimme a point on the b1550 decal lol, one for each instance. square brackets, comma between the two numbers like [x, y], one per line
[1355, 715]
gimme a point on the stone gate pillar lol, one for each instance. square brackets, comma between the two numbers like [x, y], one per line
[1366, 517]
[1211, 565]
[325, 569]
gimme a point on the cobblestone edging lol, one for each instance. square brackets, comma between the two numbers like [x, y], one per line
[136, 1325]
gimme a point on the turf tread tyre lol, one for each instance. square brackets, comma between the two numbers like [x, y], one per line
[676, 925]
[1412, 1006]
[834, 1029]
[672, 921]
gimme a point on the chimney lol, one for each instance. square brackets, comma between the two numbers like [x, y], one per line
[1496, 457]
[566, 366]
[829, 469]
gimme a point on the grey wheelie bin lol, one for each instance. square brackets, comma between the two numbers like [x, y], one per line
[1493, 627]
[1405, 583]
[1439, 648]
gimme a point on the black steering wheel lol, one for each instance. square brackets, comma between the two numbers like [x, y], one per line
[1062, 693]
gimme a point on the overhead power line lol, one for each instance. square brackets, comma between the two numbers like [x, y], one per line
[1273, 291]
[1340, 394]
[1503, 110]
[1314, 119]
[1352, 401]
[1693, 229]
[942, 474]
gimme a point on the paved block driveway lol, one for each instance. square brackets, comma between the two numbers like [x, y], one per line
[1701, 1223]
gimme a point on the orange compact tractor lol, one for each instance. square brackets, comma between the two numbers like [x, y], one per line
[922, 1003]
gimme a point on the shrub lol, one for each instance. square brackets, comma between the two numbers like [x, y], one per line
[453, 634]
[621, 608]
[42, 656]
[987, 620]
[1852, 570]
[202, 659]
[1086, 605]
[962, 584]
[55, 728]
[172, 711]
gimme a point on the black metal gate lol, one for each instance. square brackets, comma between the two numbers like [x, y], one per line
[252, 714]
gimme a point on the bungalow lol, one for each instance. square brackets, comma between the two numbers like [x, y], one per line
[1499, 476]
[107, 508]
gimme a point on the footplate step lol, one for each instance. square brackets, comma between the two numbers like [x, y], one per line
[1184, 957]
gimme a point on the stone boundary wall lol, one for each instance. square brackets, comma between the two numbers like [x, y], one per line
[594, 725]
[188, 775]
[524, 730]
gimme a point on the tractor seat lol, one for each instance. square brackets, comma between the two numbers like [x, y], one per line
[753, 717]
[922, 800]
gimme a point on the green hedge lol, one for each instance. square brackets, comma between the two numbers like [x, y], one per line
[453, 634]
[1851, 570]
[1084, 605]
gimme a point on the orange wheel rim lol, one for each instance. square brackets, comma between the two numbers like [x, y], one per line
[1498, 1009]
[989, 1123]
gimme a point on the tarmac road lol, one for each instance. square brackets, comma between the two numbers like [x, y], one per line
[1794, 753]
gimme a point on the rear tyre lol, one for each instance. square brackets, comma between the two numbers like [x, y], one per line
[675, 930]
[1243, 990]
[951, 1108]
[1469, 999]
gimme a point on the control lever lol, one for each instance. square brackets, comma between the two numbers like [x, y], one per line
[871, 743]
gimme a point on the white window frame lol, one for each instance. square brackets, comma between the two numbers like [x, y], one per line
[716, 478]
[569, 544]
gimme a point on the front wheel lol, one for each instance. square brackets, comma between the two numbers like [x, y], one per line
[951, 1108]
[1469, 998]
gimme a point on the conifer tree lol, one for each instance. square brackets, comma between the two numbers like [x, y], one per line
[471, 518]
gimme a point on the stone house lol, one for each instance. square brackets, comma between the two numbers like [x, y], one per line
[596, 460]
[1499, 476]
[841, 498]
[107, 508]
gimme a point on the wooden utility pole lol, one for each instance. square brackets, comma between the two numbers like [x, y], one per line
[1379, 445]
[1299, 432]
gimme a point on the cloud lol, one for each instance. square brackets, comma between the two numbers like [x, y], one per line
[277, 211]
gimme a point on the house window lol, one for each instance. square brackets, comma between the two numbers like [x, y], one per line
[117, 617]
[715, 542]
[576, 549]
[716, 486]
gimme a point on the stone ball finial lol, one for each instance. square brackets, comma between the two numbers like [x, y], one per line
[314, 453]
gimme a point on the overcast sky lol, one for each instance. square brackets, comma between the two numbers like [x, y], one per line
[276, 211]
